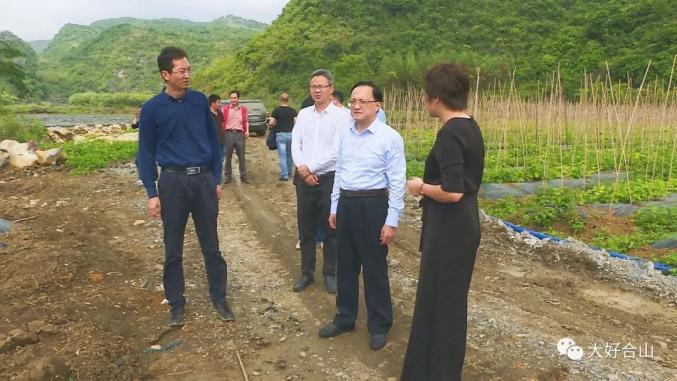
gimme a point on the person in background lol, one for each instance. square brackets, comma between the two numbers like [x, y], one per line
[366, 202]
[314, 150]
[135, 125]
[450, 234]
[337, 99]
[236, 132]
[307, 102]
[217, 116]
[177, 132]
[282, 120]
[381, 114]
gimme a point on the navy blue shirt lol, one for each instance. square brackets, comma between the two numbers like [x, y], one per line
[177, 133]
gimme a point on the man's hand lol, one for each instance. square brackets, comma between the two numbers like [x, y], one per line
[246, 135]
[218, 192]
[387, 235]
[154, 207]
[332, 221]
[303, 171]
[312, 180]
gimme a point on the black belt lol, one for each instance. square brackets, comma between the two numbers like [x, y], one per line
[188, 170]
[233, 130]
[364, 193]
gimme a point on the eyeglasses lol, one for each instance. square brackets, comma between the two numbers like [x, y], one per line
[359, 102]
[182, 71]
[319, 87]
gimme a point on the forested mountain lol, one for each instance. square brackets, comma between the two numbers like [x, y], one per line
[39, 45]
[118, 55]
[18, 68]
[394, 40]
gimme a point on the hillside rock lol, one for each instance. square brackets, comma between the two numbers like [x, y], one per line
[51, 156]
[61, 134]
[21, 155]
[4, 158]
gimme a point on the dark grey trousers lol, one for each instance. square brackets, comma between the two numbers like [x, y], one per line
[234, 141]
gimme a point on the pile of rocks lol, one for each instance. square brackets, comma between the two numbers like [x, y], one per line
[22, 155]
[83, 132]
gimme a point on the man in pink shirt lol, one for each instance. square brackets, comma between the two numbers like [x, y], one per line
[236, 133]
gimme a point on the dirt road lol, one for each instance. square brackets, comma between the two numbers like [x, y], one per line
[80, 282]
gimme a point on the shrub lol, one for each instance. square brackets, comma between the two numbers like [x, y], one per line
[88, 156]
[21, 129]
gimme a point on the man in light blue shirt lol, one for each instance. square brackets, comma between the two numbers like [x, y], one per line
[366, 202]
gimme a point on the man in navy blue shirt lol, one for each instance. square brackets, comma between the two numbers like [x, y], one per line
[177, 133]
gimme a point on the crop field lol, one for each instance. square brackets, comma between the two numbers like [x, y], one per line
[583, 161]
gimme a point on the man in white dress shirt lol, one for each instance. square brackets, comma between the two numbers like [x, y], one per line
[314, 150]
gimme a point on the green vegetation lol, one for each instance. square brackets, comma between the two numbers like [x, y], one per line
[119, 55]
[114, 100]
[20, 129]
[651, 224]
[85, 157]
[18, 70]
[393, 41]
[547, 138]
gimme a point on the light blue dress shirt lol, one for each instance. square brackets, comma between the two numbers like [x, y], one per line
[372, 159]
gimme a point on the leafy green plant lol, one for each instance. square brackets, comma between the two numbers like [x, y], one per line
[21, 129]
[86, 157]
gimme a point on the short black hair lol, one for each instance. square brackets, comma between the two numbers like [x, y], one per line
[375, 91]
[236, 92]
[449, 83]
[167, 56]
[214, 98]
[307, 102]
[338, 95]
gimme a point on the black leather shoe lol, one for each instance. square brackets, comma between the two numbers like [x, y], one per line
[177, 314]
[244, 180]
[224, 312]
[303, 282]
[330, 330]
[377, 342]
[227, 181]
[330, 283]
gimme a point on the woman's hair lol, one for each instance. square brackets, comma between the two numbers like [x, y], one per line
[449, 83]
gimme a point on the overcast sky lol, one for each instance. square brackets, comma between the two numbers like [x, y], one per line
[41, 19]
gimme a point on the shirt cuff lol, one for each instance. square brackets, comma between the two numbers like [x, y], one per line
[334, 207]
[151, 190]
[392, 218]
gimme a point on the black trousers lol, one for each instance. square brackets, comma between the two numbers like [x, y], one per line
[181, 195]
[313, 202]
[359, 222]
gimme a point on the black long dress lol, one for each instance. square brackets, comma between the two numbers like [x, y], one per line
[449, 240]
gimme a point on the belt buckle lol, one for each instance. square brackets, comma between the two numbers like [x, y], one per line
[192, 171]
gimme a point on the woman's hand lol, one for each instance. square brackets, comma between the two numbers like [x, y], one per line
[414, 186]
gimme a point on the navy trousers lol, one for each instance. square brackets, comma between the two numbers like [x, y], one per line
[181, 195]
[359, 222]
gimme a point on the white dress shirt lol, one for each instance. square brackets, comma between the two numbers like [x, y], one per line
[315, 138]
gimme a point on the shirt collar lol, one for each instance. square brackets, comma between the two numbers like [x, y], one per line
[328, 109]
[375, 127]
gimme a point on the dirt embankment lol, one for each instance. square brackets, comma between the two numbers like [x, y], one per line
[80, 281]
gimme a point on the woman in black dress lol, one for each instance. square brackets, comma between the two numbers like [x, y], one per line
[451, 230]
